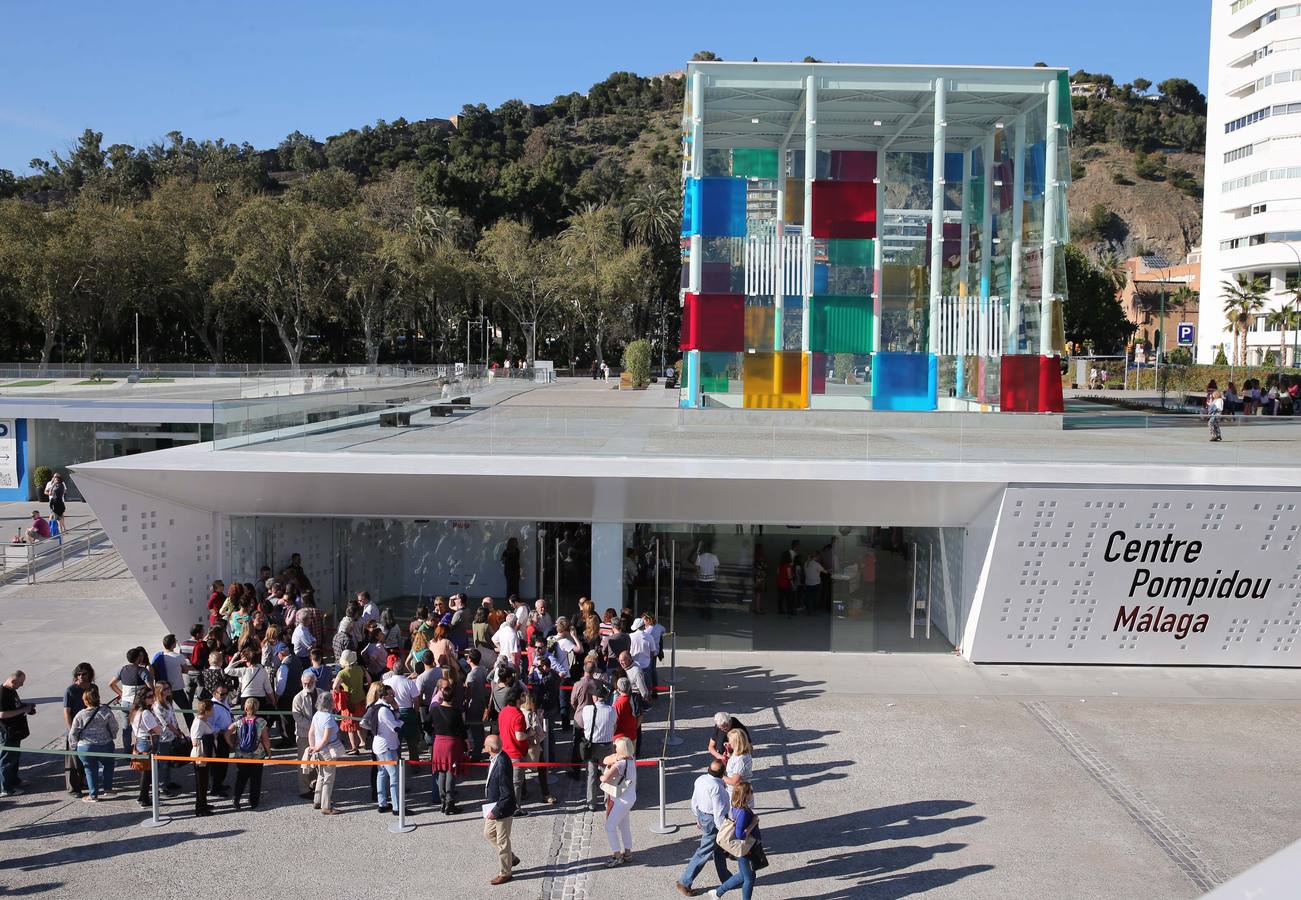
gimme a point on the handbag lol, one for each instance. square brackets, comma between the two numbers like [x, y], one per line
[308, 755]
[730, 844]
[616, 789]
[140, 758]
[758, 858]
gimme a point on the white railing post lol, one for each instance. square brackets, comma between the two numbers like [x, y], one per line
[401, 826]
[663, 827]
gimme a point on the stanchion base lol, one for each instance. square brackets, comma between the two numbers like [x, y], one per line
[673, 740]
[155, 823]
[395, 828]
[663, 829]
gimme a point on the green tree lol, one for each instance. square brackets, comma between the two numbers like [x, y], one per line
[43, 264]
[522, 271]
[282, 265]
[1244, 297]
[1284, 319]
[1092, 312]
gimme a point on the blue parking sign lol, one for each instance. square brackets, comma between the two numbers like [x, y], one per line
[1187, 334]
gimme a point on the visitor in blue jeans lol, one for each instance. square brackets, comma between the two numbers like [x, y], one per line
[710, 803]
[387, 747]
[746, 825]
[94, 730]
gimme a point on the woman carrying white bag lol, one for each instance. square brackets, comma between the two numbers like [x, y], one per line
[619, 784]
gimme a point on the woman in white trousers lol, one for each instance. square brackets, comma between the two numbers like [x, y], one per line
[621, 776]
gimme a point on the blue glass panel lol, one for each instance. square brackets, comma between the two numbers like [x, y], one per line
[714, 207]
[1035, 169]
[821, 271]
[904, 381]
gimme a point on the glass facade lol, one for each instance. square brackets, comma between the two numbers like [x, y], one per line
[873, 238]
[876, 577]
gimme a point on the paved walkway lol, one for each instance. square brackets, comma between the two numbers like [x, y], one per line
[878, 776]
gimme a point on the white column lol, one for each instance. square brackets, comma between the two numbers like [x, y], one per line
[878, 254]
[937, 215]
[1013, 336]
[697, 170]
[964, 261]
[810, 171]
[779, 262]
[607, 564]
[1051, 214]
[987, 241]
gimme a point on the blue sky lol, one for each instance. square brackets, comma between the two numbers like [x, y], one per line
[257, 71]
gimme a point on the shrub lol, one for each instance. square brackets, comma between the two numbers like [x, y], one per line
[42, 475]
[1120, 178]
[1150, 167]
[1220, 358]
[637, 362]
[1077, 170]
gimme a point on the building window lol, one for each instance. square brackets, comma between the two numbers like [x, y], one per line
[1240, 5]
[1240, 153]
[1280, 174]
[1248, 119]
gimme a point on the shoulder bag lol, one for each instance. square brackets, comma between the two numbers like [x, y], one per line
[617, 788]
[730, 844]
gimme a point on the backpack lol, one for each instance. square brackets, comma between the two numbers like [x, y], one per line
[247, 735]
[158, 667]
[370, 719]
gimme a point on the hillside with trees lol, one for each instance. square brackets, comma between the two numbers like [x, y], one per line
[555, 222]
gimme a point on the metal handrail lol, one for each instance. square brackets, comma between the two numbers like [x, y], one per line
[64, 543]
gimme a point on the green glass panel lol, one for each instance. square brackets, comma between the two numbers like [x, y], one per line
[841, 324]
[714, 371]
[975, 205]
[754, 163]
[1065, 115]
[850, 253]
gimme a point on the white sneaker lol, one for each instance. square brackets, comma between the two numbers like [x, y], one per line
[712, 895]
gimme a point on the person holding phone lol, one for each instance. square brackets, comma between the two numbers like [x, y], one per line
[13, 729]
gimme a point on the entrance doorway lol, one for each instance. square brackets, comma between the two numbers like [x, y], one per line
[804, 588]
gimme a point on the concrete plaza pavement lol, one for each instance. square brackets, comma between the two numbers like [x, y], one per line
[878, 776]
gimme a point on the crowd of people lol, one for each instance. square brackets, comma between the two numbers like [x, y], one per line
[457, 684]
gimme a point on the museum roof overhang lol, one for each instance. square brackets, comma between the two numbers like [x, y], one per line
[862, 107]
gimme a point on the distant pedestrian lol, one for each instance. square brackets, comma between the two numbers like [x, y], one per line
[56, 492]
[500, 793]
[93, 730]
[596, 729]
[324, 745]
[1215, 409]
[83, 679]
[204, 743]
[710, 803]
[447, 755]
[249, 736]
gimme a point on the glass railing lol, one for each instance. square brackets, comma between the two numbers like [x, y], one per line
[501, 420]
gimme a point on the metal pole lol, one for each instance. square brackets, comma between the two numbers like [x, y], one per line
[673, 739]
[1048, 264]
[673, 611]
[1161, 347]
[401, 826]
[156, 819]
[930, 559]
[663, 827]
[936, 249]
[556, 573]
[912, 600]
[137, 342]
[657, 579]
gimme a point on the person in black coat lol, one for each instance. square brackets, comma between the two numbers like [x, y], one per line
[497, 820]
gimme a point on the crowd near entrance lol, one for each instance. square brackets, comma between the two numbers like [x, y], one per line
[717, 586]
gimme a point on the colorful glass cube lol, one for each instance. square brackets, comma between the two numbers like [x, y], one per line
[904, 381]
[844, 209]
[775, 380]
[714, 322]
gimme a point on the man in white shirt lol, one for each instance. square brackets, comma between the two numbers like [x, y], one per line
[506, 640]
[407, 694]
[387, 748]
[642, 647]
[303, 641]
[597, 721]
[813, 570]
[636, 677]
[710, 803]
[542, 622]
[706, 576]
[369, 610]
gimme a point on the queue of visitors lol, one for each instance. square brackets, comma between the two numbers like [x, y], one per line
[459, 683]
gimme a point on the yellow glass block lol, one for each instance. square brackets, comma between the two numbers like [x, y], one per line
[773, 380]
[794, 201]
[759, 322]
[1058, 335]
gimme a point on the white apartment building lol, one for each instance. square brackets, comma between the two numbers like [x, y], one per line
[1252, 207]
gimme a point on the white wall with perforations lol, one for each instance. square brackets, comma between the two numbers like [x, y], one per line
[173, 551]
[1061, 586]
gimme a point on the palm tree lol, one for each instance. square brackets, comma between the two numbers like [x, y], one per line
[1244, 298]
[653, 215]
[1114, 270]
[1182, 299]
[1284, 319]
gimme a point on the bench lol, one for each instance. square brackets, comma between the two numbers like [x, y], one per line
[441, 410]
[463, 401]
[394, 419]
[397, 401]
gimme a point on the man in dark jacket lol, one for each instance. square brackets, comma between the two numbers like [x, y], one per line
[501, 794]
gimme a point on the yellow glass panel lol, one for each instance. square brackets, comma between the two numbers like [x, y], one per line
[775, 380]
[794, 201]
[759, 322]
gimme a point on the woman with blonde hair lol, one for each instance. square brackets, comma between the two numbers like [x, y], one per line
[248, 735]
[747, 840]
[349, 699]
[419, 644]
[740, 765]
[619, 784]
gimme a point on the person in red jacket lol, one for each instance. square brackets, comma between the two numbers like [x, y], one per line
[626, 722]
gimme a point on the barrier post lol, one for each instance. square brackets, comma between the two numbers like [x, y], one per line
[401, 826]
[663, 827]
[156, 819]
[673, 740]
